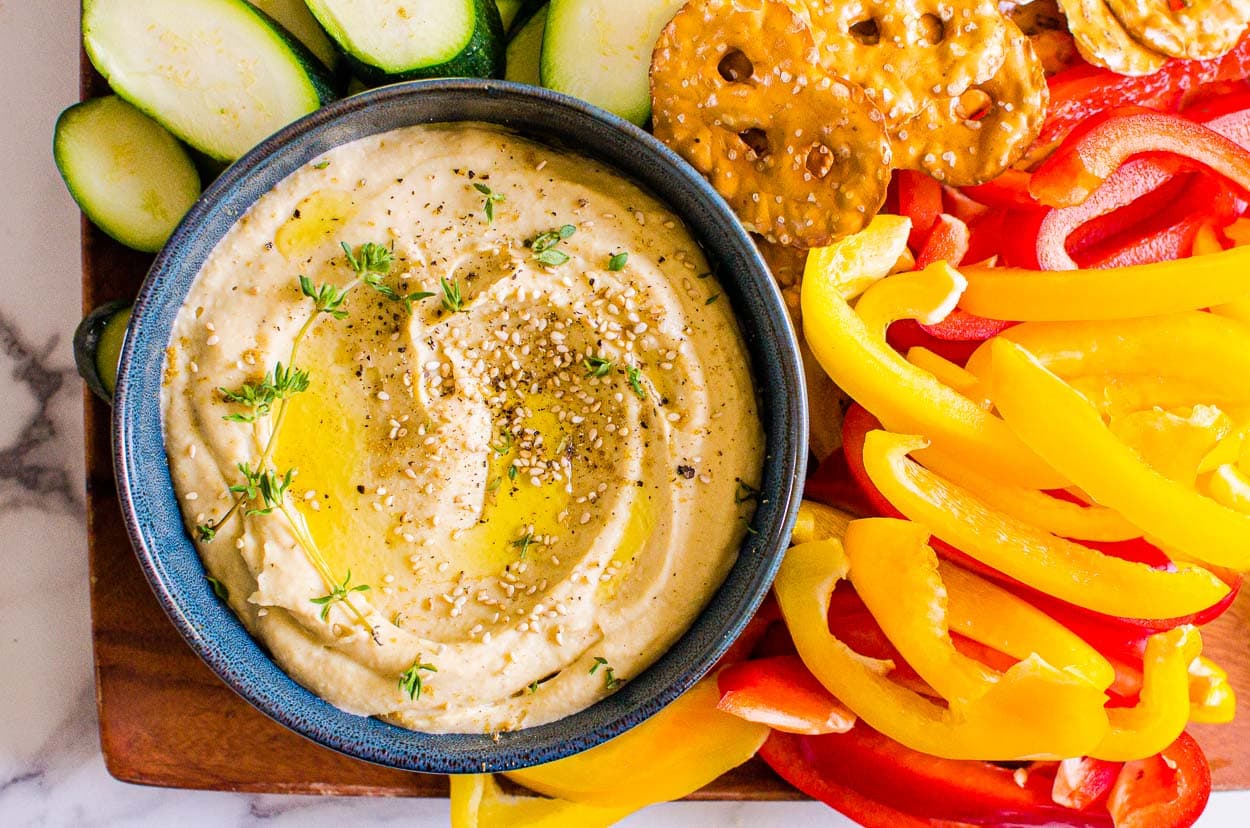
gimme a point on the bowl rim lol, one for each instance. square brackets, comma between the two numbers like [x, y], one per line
[212, 629]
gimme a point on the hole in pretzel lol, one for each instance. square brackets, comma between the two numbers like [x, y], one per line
[973, 105]
[866, 32]
[735, 67]
[931, 30]
[756, 140]
[819, 160]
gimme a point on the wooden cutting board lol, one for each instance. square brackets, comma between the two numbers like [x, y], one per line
[167, 720]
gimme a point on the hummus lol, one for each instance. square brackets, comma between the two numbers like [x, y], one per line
[541, 470]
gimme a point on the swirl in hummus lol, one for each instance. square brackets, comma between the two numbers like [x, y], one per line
[541, 471]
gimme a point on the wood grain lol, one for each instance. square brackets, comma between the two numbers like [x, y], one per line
[167, 720]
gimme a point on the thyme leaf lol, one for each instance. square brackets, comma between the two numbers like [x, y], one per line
[410, 680]
[338, 594]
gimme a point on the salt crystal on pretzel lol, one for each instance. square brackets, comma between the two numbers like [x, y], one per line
[1103, 41]
[971, 138]
[1193, 29]
[904, 52]
[801, 155]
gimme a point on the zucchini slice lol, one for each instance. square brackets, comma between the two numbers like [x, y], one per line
[392, 40]
[127, 173]
[293, 15]
[525, 50]
[219, 74]
[508, 10]
[600, 51]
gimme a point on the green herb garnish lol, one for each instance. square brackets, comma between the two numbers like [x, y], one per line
[279, 384]
[597, 366]
[633, 375]
[338, 593]
[321, 165]
[368, 258]
[219, 589]
[488, 205]
[410, 680]
[452, 300]
[599, 662]
[618, 261]
[544, 246]
[523, 543]
[712, 298]
[746, 492]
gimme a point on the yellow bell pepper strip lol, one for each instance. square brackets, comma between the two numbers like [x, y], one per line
[1211, 696]
[895, 574]
[990, 615]
[1162, 710]
[948, 373]
[1033, 711]
[1173, 444]
[1061, 568]
[903, 397]
[478, 802]
[1201, 348]
[1232, 448]
[1113, 293]
[1066, 430]
[1059, 517]
[1115, 395]
[816, 521]
[856, 262]
[671, 755]
[1207, 241]
[1229, 487]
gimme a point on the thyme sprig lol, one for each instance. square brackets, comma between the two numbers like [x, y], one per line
[597, 366]
[453, 302]
[492, 198]
[633, 375]
[523, 543]
[263, 490]
[338, 593]
[545, 246]
[411, 680]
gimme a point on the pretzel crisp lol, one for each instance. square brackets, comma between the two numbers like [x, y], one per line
[903, 52]
[801, 155]
[1104, 41]
[971, 138]
[1193, 29]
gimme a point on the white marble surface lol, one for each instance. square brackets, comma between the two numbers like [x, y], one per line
[51, 772]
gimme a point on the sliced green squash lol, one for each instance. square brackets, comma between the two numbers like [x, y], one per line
[391, 40]
[219, 74]
[127, 173]
[525, 50]
[294, 16]
[600, 51]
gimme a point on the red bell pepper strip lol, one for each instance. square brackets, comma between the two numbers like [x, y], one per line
[1078, 167]
[1010, 190]
[1082, 90]
[781, 693]
[831, 484]
[920, 199]
[752, 634]
[782, 753]
[1169, 790]
[1084, 782]
[947, 240]
[877, 767]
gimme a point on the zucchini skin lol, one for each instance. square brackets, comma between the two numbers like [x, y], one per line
[328, 85]
[481, 57]
[528, 9]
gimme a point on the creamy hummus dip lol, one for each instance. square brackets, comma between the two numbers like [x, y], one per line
[525, 456]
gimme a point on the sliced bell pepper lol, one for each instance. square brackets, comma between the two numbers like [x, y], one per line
[1033, 711]
[1066, 570]
[947, 241]
[1187, 357]
[1162, 710]
[858, 359]
[782, 752]
[478, 802]
[674, 753]
[1010, 189]
[1083, 162]
[832, 485]
[1169, 790]
[996, 618]
[1084, 782]
[1211, 696]
[1173, 443]
[919, 199]
[1115, 293]
[817, 521]
[1058, 516]
[1065, 429]
[781, 693]
[949, 373]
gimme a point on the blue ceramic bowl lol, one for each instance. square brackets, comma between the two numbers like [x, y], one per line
[169, 558]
